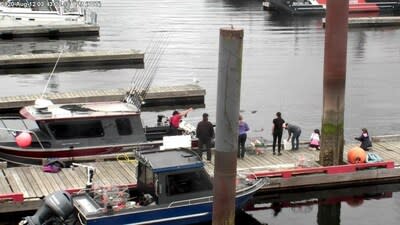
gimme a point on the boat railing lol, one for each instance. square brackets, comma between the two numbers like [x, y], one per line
[16, 131]
[253, 186]
[191, 201]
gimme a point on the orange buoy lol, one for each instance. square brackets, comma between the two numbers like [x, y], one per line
[23, 139]
[356, 155]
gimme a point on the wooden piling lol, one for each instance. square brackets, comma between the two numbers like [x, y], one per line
[228, 105]
[334, 82]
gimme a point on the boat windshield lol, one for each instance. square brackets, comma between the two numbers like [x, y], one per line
[189, 182]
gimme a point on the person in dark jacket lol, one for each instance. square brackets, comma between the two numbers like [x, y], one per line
[294, 133]
[205, 134]
[277, 130]
[243, 129]
[364, 139]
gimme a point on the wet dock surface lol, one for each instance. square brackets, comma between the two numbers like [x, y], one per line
[157, 96]
[86, 59]
[32, 183]
[9, 31]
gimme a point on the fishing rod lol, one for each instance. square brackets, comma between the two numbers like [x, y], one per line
[52, 72]
[141, 80]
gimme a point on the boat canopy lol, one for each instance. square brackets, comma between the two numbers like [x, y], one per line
[171, 160]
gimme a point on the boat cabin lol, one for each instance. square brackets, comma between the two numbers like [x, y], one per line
[164, 179]
[172, 175]
[78, 125]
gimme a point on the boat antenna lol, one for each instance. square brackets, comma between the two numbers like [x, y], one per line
[142, 79]
[52, 72]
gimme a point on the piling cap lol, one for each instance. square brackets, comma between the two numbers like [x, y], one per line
[231, 32]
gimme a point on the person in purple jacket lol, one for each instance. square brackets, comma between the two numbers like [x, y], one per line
[243, 128]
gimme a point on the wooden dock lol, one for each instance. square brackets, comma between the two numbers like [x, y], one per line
[84, 59]
[386, 21]
[157, 96]
[354, 22]
[49, 30]
[22, 188]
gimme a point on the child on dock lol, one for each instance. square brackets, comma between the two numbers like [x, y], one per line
[364, 139]
[314, 140]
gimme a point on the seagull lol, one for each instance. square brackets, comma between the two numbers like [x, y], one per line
[195, 80]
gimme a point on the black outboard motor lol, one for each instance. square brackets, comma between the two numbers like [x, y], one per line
[58, 205]
[160, 120]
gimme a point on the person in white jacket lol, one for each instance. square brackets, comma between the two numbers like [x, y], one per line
[314, 139]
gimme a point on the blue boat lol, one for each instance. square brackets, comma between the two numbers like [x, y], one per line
[173, 187]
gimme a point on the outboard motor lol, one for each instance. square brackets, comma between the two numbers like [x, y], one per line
[159, 119]
[58, 205]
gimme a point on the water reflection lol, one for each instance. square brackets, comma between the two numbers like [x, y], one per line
[325, 207]
[329, 214]
[19, 46]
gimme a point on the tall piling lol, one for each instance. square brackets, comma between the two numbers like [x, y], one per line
[332, 140]
[228, 105]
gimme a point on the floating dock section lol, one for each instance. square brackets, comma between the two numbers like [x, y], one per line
[86, 59]
[382, 21]
[156, 97]
[374, 21]
[49, 30]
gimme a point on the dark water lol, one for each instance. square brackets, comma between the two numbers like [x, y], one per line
[282, 71]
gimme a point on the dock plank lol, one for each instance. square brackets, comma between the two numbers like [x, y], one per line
[42, 183]
[53, 185]
[15, 180]
[110, 176]
[129, 171]
[30, 182]
[114, 170]
[4, 186]
[75, 183]
[100, 178]
[56, 177]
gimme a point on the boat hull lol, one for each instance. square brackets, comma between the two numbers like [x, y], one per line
[183, 215]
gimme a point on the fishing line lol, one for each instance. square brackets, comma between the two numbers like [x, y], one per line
[52, 72]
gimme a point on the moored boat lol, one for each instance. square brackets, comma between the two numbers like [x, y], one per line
[173, 187]
[318, 7]
[69, 131]
[27, 12]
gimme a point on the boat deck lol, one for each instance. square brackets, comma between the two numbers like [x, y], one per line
[21, 188]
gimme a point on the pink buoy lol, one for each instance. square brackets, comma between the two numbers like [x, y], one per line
[23, 139]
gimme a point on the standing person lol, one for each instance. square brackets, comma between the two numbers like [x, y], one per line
[277, 130]
[294, 133]
[314, 139]
[175, 119]
[205, 134]
[243, 128]
[364, 138]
